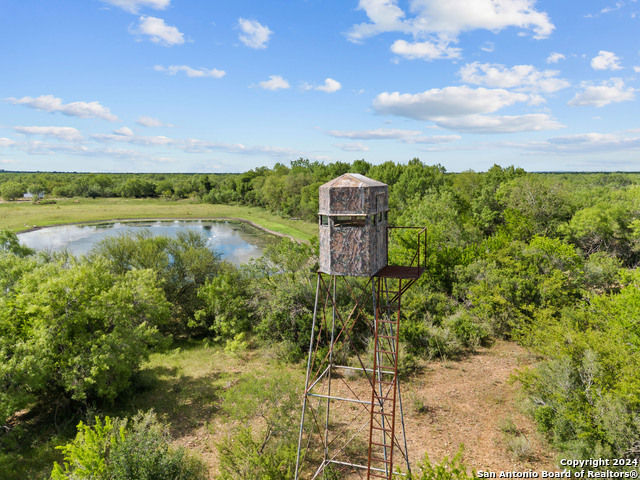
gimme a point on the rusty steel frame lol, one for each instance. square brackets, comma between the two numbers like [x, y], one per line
[379, 410]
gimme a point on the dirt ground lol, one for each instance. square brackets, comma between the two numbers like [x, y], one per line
[473, 401]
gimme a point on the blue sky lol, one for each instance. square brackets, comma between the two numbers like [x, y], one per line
[212, 86]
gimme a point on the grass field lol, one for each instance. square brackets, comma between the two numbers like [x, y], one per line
[21, 216]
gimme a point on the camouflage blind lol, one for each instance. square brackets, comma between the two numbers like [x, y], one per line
[353, 225]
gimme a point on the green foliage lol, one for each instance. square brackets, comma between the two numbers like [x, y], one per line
[225, 312]
[75, 332]
[267, 453]
[182, 265]
[9, 243]
[283, 295]
[12, 190]
[123, 450]
[447, 469]
[587, 393]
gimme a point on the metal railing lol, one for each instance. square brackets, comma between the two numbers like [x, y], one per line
[421, 240]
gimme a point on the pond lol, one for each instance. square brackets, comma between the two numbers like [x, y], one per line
[237, 242]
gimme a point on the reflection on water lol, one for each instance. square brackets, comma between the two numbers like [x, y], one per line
[237, 242]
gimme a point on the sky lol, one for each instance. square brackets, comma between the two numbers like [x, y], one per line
[228, 86]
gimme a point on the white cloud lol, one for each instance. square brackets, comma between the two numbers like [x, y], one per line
[488, 47]
[275, 82]
[254, 34]
[133, 6]
[377, 134]
[523, 77]
[425, 50]
[352, 147]
[590, 143]
[145, 121]
[49, 103]
[120, 136]
[555, 57]
[434, 139]
[126, 131]
[500, 124]
[191, 72]
[636, 69]
[405, 136]
[447, 19]
[330, 86]
[438, 103]
[6, 142]
[159, 32]
[612, 91]
[605, 61]
[68, 134]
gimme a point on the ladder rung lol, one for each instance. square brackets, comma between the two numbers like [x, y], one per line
[380, 428]
[383, 413]
[376, 459]
[391, 337]
[385, 351]
[387, 321]
[381, 444]
[376, 475]
[386, 383]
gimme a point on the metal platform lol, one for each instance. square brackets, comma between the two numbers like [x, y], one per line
[398, 271]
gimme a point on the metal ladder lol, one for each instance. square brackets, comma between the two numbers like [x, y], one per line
[384, 390]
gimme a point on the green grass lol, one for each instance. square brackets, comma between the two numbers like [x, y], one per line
[21, 216]
[183, 385]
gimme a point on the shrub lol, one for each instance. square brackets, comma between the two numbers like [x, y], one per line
[453, 469]
[119, 449]
[75, 332]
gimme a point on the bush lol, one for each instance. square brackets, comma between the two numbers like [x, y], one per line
[74, 332]
[453, 469]
[119, 449]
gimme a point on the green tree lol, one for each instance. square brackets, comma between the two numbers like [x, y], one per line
[75, 332]
[12, 190]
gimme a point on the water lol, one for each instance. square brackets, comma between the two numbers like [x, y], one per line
[237, 242]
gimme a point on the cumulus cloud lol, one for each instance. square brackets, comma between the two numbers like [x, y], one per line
[612, 91]
[500, 124]
[159, 32]
[439, 103]
[522, 77]
[555, 57]
[49, 103]
[425, 50]
[254, 34]
[126, 131]
[352, 147]
[134, 6]
[145, 121]
[605, 61]
[636, 69]
[330, 86]
[68, 134]
[275, 82]
[447, 20]
[190, 71]
[6, 142]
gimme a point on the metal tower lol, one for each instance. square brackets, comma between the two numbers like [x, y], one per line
[349, 421]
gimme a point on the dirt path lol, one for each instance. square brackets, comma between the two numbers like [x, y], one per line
[473, 402]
